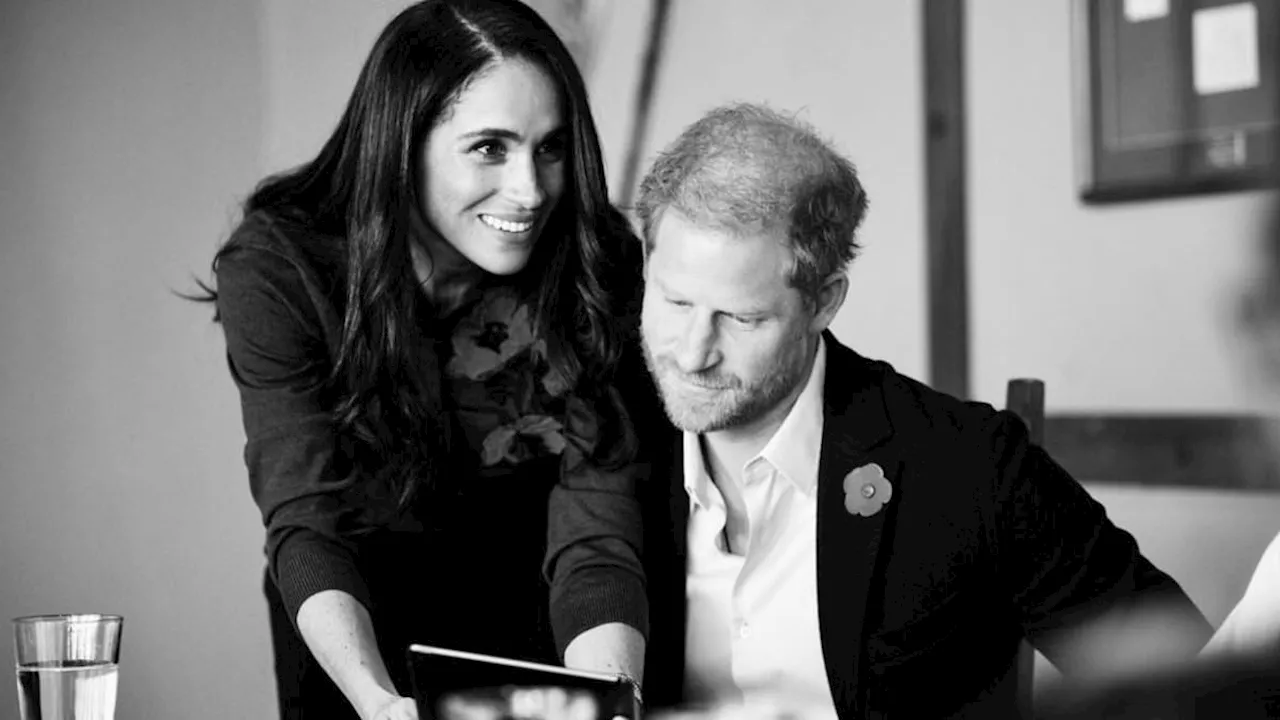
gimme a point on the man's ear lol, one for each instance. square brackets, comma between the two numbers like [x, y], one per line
[829, 301]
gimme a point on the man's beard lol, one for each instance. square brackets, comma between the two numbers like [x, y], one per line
[710, 402]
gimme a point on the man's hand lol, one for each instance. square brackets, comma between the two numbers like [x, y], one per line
[397, 708]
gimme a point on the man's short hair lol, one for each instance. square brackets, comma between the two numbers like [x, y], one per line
[744, 168]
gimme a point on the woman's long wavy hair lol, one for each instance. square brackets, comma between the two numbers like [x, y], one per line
[582, 277]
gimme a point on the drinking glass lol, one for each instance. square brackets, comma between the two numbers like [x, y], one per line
[67, 666]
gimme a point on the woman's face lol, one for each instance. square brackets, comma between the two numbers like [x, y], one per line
[494, 167]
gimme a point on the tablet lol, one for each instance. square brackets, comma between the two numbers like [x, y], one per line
[457, 685]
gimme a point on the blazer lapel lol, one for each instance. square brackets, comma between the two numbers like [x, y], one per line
[855, 428]
[679, 500]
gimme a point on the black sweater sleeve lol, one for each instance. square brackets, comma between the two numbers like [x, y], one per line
[595, 524]
[593, 553]
[279, 360]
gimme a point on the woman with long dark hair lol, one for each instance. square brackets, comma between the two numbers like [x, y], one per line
[426, 324]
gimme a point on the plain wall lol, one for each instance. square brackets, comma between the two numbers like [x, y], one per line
[127, 129]
[312, 52]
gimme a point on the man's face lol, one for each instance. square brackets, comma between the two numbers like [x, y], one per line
[725, 335]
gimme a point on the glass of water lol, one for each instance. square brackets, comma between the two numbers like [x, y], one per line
[67, 666]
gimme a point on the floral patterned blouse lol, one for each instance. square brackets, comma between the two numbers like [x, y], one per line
[512, 406]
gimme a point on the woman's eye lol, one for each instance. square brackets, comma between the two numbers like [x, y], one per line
[489, 149]
[553, 149]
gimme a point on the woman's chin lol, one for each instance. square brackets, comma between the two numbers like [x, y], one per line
[508, 259]
[506, 265]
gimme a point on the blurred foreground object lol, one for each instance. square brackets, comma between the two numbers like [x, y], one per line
[1237, 687]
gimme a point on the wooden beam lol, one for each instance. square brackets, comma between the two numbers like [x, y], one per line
[652, 62]
[946, 197]
[1207, 451]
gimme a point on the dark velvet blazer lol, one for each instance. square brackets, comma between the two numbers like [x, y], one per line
[922, 605]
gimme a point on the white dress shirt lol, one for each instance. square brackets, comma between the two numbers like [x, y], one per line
[752, 634]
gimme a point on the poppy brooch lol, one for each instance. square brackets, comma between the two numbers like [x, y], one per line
[866, 490]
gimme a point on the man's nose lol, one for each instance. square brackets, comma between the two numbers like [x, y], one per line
[698, 348]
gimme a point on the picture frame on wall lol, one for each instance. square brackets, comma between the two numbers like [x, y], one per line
[1175, 97]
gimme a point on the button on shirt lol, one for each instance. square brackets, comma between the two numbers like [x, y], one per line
[752, 633]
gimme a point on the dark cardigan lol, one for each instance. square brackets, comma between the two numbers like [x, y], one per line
[461, 567]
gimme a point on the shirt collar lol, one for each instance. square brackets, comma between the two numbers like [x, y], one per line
[793, 450]
[697, 481]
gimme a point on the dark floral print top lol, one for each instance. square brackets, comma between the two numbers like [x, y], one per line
[513, 407]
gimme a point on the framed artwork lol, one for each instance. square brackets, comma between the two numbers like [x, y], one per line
[1175, 97]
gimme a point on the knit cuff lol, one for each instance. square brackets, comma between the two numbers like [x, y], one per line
[303, 571]
[597, 600]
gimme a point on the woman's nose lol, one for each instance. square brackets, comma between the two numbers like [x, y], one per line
[523, 184]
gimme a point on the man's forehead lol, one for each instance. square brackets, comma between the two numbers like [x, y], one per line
[722, 266]
[712, 234]
[717, 220]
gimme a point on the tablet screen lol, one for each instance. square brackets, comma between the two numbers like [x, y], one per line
[457, 685]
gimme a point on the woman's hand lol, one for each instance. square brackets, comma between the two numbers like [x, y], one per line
[397, 708]
[339, 632]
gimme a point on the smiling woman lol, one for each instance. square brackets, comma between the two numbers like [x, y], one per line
[493, 170]
[411, 396]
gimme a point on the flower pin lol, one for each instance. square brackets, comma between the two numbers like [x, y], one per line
[866, 490]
